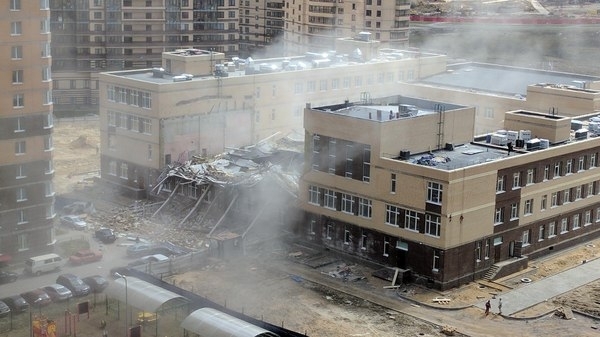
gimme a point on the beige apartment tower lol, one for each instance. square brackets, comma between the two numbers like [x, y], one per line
[26, 171]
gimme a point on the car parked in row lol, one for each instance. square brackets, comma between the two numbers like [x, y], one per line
[73, 221]
[73, 283]
[36, 298]
[58, 292]
[4, 309]
[144, 249]
[8, 277]
[105, 235]
[16, 303]
[85, 256]
[97, 283]
[154, 258]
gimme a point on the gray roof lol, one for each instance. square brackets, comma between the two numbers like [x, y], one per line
[501, 80]
[141, 294]
[210, 322]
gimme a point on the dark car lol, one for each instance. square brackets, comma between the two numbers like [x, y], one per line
[16, 303]
[8, 277]
[121, 270]
[106, 235]
[97, 283]
[37, 298]
[4, 309]
[74, 283]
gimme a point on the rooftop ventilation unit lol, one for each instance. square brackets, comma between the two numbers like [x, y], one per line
[158, 72]
[364, 36]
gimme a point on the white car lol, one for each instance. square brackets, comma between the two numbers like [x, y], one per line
[73, 221]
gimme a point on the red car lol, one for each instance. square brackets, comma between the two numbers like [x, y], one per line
[85, 256]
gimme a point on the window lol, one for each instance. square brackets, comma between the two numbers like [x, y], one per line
[393, 183]
[329, 198]
[46, 49]
[49, 169]
[554, 199]
[569, 168]
[15, 5]
[581, 164]
[48, 146]
[589, 189]
[487, 249]
[564, 225]
[514, 211]
[21, 194]
[18, 100]
[386, 244]
[23, 241]
[332, 148]
[51, 235]
[112, 168]
[525, 237]
[50, 212]
[329, 232]
[363, 241]
[499, 216]
[367, 163]
[15, 28]
[19, 127]
[47, 97]
[411, 220]
[478, 251]
[541, 233]
[45, 4]
[124, 173]
[311, 227]
[516, 180]
[578, 192]
[498, 241]
[46, 74]
[17, 76]
[528, 206]
[575, 224]
[530, 176]
[347, 203]
[557, 169]
[20, 147]
[313, 195]
[49, 188]
[433, 225]
[592, 160]
[551, 229]
[365, 207]
[21, 172]
[16, 52]
[500, 184]
[392, 215]
[436, 260]
[546, 172]
[566, 196]
[149, 152]
[45, 26]
[147, 126]
[21, 217]
[598, 214]
[434, 192]
[587, 218]
[544, 202]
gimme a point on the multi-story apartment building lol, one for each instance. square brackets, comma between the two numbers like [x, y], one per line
[316, 24]
[26, 171]
[150, 118]
[91, 36]
[261, 25]
[416, 191]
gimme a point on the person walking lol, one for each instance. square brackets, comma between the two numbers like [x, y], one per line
[487, 307]
[499, 306]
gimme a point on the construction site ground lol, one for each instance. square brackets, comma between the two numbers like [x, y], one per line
[312, 291]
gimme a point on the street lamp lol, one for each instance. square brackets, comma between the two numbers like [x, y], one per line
[124, 278]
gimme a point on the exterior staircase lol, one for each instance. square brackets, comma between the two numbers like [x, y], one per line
[490, 274]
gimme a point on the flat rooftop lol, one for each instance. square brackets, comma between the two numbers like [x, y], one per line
[461, 156]
[501, 80]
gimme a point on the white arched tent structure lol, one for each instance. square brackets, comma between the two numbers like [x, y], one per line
[209, 322]
[143, 295]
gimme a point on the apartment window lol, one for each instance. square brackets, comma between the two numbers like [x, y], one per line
[546, 172]
[598, 214]
[564, 225]
[313, 195]
[48, 145]
[329, 232]
[500, 184]
[365, 207]
[576, 224]
[15, 5]
[347, 203]
[149, 152]
[581, 164]
[19, 127]
[47, 97]
[530, 176]
[541, 233]
[592, 160]
[21, 217]
[332, 148]
[50, 211]
[112, 168]
[46, 49]
[578, 192]
[434, 192]
[367, 163]
[20, 147]
[16, 52]
[393, 183]
[23, 241]
[45, 26]
[569, 167]
[411, 220]
[44, 4]
[149, 16]
[124, 169]
[499, 216]
[487, 249]
[17, 76]
[310, 86]
[21, 194]
[347, 237]
[516, 180]
[15, 28]
[557, 169]
[551, 229]
[311, 227]
[46, 74]
[18, 100]
[514, 211]
[335, 84]
[589, 189]
[544, 202]
[478, 251]
[392, 215]
[329, 198]
[436, 260]
[135, 124]
[323, 85]
[363, 240]
[526, 237]
[386, 244]
[528, 206]
[554, 199]
[433, 225]
[49, 169]
[587, 218]
[147, 126]
[49, 188]
[21, 172]
[566, 196]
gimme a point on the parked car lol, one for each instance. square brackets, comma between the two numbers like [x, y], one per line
[37, 265]
[73, 283]
[97, 283]
[85, 256]
[121, 270]
[4, 309]
[73, 221]
[106, 235]
[143, 249]
[16, 303]
[37, 298]
[8, 277]
[58, 292]
[149, 259]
